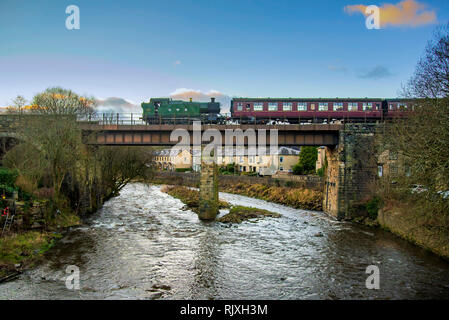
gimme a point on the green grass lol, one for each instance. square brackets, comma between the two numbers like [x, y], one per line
[24, 248]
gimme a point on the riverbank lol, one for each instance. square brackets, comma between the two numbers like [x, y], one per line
[24, 249]
[412, 224]
[297, 198]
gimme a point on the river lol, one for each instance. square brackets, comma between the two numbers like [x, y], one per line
[143, 245]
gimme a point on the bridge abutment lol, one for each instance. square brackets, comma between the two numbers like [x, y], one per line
[208, 199]
[351, 171]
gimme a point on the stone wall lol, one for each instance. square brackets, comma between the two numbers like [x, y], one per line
[352, 170]
[192, 180]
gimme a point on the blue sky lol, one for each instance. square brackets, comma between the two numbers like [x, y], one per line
[258, 48]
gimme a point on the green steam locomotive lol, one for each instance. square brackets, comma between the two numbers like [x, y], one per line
[166, 110]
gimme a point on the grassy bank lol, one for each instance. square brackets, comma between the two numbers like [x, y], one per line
[293, 197]
[237, 214]
[21, 251]
[414, 224]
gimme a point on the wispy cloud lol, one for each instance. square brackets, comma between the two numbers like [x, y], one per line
[405, 13]
[176, 63]
[338, 68]
[117, 105]
[198, 95]
[376, 73]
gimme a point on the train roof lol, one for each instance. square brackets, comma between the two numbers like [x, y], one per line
[308, 99]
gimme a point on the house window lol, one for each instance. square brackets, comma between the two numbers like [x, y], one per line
[367, 106]
[258, 106]
[380, 170]
[281, 159]
[239, 106]
[323, 106]
[393, 170]
[353, 106]
[273, 106]
[287, 106]
[302, 106]
[281, 168]
[338, 106]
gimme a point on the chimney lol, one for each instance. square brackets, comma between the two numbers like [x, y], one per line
[212, 99]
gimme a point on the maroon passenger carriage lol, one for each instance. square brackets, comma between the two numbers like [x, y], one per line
[295, 110]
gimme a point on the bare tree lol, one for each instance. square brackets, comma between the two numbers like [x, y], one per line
[421, 139]
[59, 101]
[119, 165]
[18, 103]
[431, 77]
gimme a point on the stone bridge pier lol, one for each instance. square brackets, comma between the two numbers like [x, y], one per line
[208, 199]
[351, 170]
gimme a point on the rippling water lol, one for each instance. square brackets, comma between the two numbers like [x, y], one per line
[142, 245]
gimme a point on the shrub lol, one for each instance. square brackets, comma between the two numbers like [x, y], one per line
[8, 177]
[320, 172]
[372, 207]
[298, 169]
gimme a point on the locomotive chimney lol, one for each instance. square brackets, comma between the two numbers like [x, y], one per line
[190, 99]
[212, 99]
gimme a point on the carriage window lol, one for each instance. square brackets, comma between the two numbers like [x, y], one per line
[391, 107]
[377, 106]
[248, 107]
[272, 106]
[338, 106]
[367, 106]
[258, 106]
[322, 106]
[402, 106]
[287, 106]
[239, 106]
[353, 106]
[302, 106]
